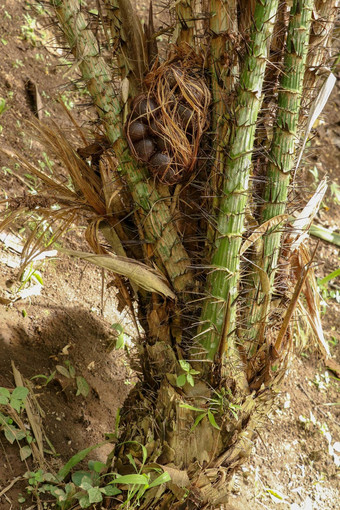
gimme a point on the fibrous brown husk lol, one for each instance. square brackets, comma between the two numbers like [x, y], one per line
[166, 123]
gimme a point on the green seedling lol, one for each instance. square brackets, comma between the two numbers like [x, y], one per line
[120, 341]
[17, 63]
[335, 192]
[68, 371]
[3, 106]
[203, 413]
[330, 293]
[187, 376]
[140, 482]
[30, 275]
[222, 403]
[47, 378]
[11, 405]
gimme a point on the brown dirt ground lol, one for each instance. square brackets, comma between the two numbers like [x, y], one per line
[66, 321]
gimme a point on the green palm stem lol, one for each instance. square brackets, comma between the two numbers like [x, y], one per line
[223, 70]
[219, 311]
[158, 226]
[185, 25]
[281, 158]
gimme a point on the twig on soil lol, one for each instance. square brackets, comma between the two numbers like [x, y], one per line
[10, 485]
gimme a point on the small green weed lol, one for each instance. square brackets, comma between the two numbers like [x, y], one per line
[28, 30]
[335, 192]
[12, 403]
[334, 291]
[122, 341]
[89, 487]
[221, 405]
[68, 371]
[187, 376]
[203, 414]
[3, 106]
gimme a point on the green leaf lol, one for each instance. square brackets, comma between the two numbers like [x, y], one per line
[20, 393]
[198, 419]
[329, 277]
[95, 496]
[60, 495]
[16, 404]
[184, 365]
[163, 478]
[63, 371]
[145, 453]
[3, 400]
[25, 452]
[95, 465]
[83, 387]
[181, 380]
[80, 476]
[190, 380]
[194, 372]
[84, 501]
[191, 408]
[132, 461]
[2, 105]
[131, 479]
[118, 327]
[212, 420]
[109, 490]
[13, 434]
[120, 342]
[5, 393]
[72, 371]
[78, 457]
[38, 277]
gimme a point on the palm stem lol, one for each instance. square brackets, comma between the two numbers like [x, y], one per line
[219, 312]
[282, 153]
[159, 228]
[185, 26]
[224, 70]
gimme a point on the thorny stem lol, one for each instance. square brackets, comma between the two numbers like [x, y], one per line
[223, 281]
[159, 228]
[224, 69]
[282, 153]
[185, 26]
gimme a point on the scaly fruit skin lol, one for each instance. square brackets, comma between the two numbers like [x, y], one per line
[219, 312]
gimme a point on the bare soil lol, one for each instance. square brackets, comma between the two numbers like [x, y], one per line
[295, 460]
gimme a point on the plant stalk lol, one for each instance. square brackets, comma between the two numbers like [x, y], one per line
[282, 153]
[219, 312]
[160, 230]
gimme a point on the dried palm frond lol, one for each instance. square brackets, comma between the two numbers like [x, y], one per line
[144, 276]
